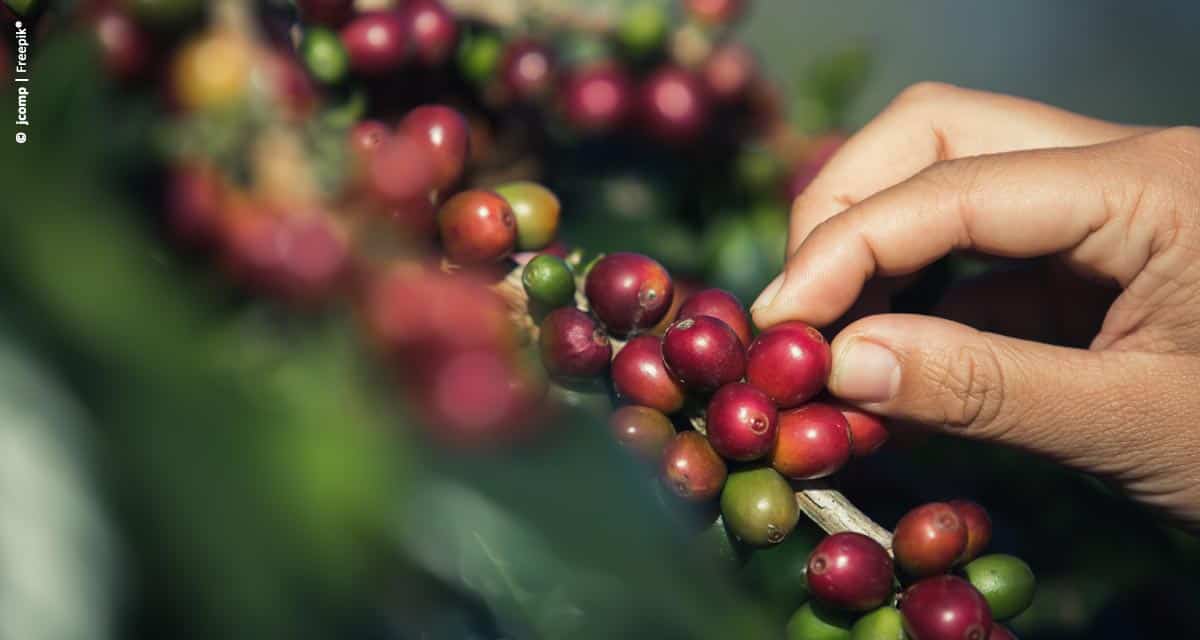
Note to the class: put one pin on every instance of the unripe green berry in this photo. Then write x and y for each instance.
(815, 622)
(1005, 581)
(323, 54)
(549, 282)
(759, 506)
(884, 623)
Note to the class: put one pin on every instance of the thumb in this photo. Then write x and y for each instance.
(1073, 405)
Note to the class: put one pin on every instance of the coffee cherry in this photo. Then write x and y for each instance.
(1005, 581)
(715, 12)
(432, 30)
(300, 258)
(673, 104)
(979, 528)
(326, 12)
(742, 422)
(195, 194)
(479, 55)
(476, 227)
(691, 469)
(366, 137)
(884, 623)
(816, 622)
(729, 71)
(548, 282)
(324, 55)
(703, 353)
(643, 28)
(850, 571)
(929, 539)
(212, 71)
(867, 433)
(813, 442)
(400, 171)
(640, 377)
(790, 362)
(945, 608)
(375, 42)
(527, 69)
(642, 430)
(597, 98)
(573, 346)
(628, 292)
(1001, 633)
(759, 506)
(537, 211)
(775, 575)
(288, 84)
(125, 48)
(723, 306)
(444, 134)
(474, 399)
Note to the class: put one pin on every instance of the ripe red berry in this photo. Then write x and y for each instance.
(715, 11)
(628, 292)
(640, 377)
(673, 105)
(474, 398)
(597, 98)
(573, 346)
(326, 12)
(125, 48)
(979, 528)
(366, 137)
(375, 42)
(790, 362)
(742, 422)
(813, 442)
(298, 257)
(400, 171)
(945, 608)
(289, 84)
(850, 571)
(999, 632)
(719, 304)
(703, 353)
(432, 30)
(194, 197)
(929, 539)
(527, 69)
(476, 227)
(729, 71)
(691, 469)
(642, 430)
(867, 433)
(444, 134)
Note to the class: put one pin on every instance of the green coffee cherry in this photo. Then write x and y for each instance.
(776, 574)
(549, 282)
(479, 55)
(759, 506)
(537, 211)
(815, 622)
(324, 55)
(643, 28)
(1005, 581)
(883, 623)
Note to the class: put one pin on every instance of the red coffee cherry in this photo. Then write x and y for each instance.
(527, 69)
(867, 433)
(729, 71)
(642, 430)
(376, 43)
(813, 442)
(475, 399)
(1001, 633)
(432, 30)
(640, 377)
(476, 227)
(703, 353)
(790, 362)
(573, 346)
(628, 292)
(850, 571)
(125, 48)
(366, 136)
(723, 306)
(742, 422)
(929, 539)
(400, 171)
(195, 193)
(674, 106)
(715, 12)
(444, 134)
(945, 608)
(597, 98)
(691, 469)
(979, 528)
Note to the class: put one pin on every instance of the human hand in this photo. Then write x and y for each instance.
(945, 169)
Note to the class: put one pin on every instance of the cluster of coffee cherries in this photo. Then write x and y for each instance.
(854, 582)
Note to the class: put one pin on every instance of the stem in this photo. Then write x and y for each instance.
(829, 508)
(510, 13)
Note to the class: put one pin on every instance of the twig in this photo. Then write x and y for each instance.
(510, 13)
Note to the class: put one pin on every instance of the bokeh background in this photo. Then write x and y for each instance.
(175, 462)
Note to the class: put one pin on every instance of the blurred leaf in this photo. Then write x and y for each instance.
(828, 85)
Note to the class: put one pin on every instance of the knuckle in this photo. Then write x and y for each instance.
(967, 385)
(924, 93)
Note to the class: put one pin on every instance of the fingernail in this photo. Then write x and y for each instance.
(768, 295)
(866, 371)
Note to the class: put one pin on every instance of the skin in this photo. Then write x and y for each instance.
(1116, 211)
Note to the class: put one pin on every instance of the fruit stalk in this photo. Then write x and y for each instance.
(509, 13)
(829, 508)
